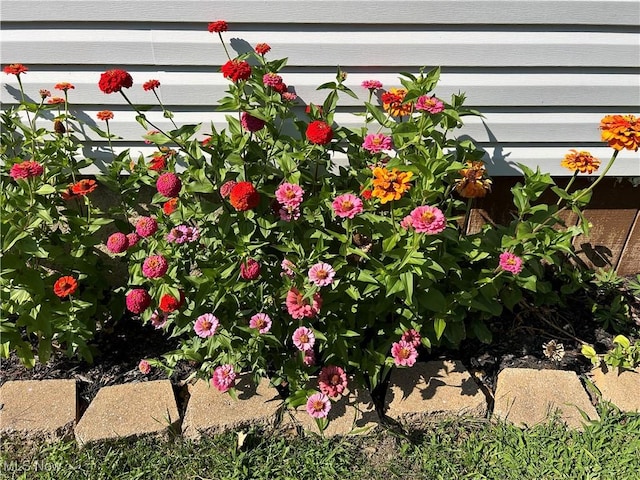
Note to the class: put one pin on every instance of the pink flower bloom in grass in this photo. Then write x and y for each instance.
(206, 325)
(287, 268)
(318, 405)
(304, 339)
(412, 337)
(377, 142)
(321, 274)
(429, 104)
(117, 242)
(299, 307)
(251, 123)
(146, 226)
(223, 377)
(309, 358)
(144, 367)
(290, 195)
(404, 354)
(427, 219)
(332, 381)
(372, 84)
(158, 319)
(155, 266)
(260, 321)
(510, 262)
(347, 205)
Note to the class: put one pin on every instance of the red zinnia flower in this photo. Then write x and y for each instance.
(15, 69)
(319, 132)
(65, 286)
(64, 86)
(262, 48)
(158, 162)
(26, 169)
(170, 206)
(244, 196)
(84, 187)
(236, 70)
(150, 85)
(105, 115)
(280, 88)
(169, 303)
(218, 26)
(113, 81)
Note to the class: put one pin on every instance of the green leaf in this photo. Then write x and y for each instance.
(439, 324)
(46, 189)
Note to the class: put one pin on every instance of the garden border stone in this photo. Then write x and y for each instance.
(620, 388)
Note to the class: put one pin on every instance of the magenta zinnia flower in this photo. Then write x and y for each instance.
(372, 84)
(117, 242)
(299, 307)
(332, 381)
(271, 79)
(510, 262)
(347, 205)
(251, 123)
(146, 226)
(429, 104)
(138, 300)
(321, 274)
(155, 266)
(223, 377)
(377, 142)
(26, 169)
(183, 234)
(318, 405)
(412, 337)
(303, 338)
(260, 321)
(206, 325)
(249, 269)
(132, 239)
(144, 367)
(427, 219)
(309, 358)
(290, 195)
(404, 354)
(169, 185)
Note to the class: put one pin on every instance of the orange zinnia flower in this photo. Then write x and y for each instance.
(390, 185)
(64, 86)
(84, 187)
(392, 102)
(621, 131)
(583, 162)
(472, 185)
(65, 286)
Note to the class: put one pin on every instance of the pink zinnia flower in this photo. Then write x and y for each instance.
(249, 269)
(260, 321)
(321, 274)
(289, 96)
(289, 213)
(26, 169)
(144, 367)
(271, 79)
(377, 142)
(158, 319)
(223, 377)
(404, 354)
(309, 358)
(407, 222)
(226, 187)
(299, 307)
(251, 123)
(303, 338)
(183, 234)
(146, 226)
(318, 405)
(169, 185)
(206, 325)
(290, 194)
(510, 262)
(117, 242)
(332, 381)
(347, 205)
(412, 337)
(372, 84)
(155, 266)
(132, 239)
(138, 300)
(287, 268)
(429, 104)
(427, 219)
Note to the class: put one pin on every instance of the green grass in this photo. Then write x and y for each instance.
(451, 450)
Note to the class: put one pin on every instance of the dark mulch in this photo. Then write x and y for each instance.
(517, 342)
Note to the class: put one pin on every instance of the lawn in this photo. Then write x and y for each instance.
(452, 449)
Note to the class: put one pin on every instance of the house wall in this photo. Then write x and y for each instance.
(542, 72)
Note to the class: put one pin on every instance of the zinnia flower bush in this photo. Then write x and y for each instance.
(264, 255)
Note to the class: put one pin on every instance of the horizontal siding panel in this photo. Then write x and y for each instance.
(573, 12)
(304, 48)
(198, 89)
